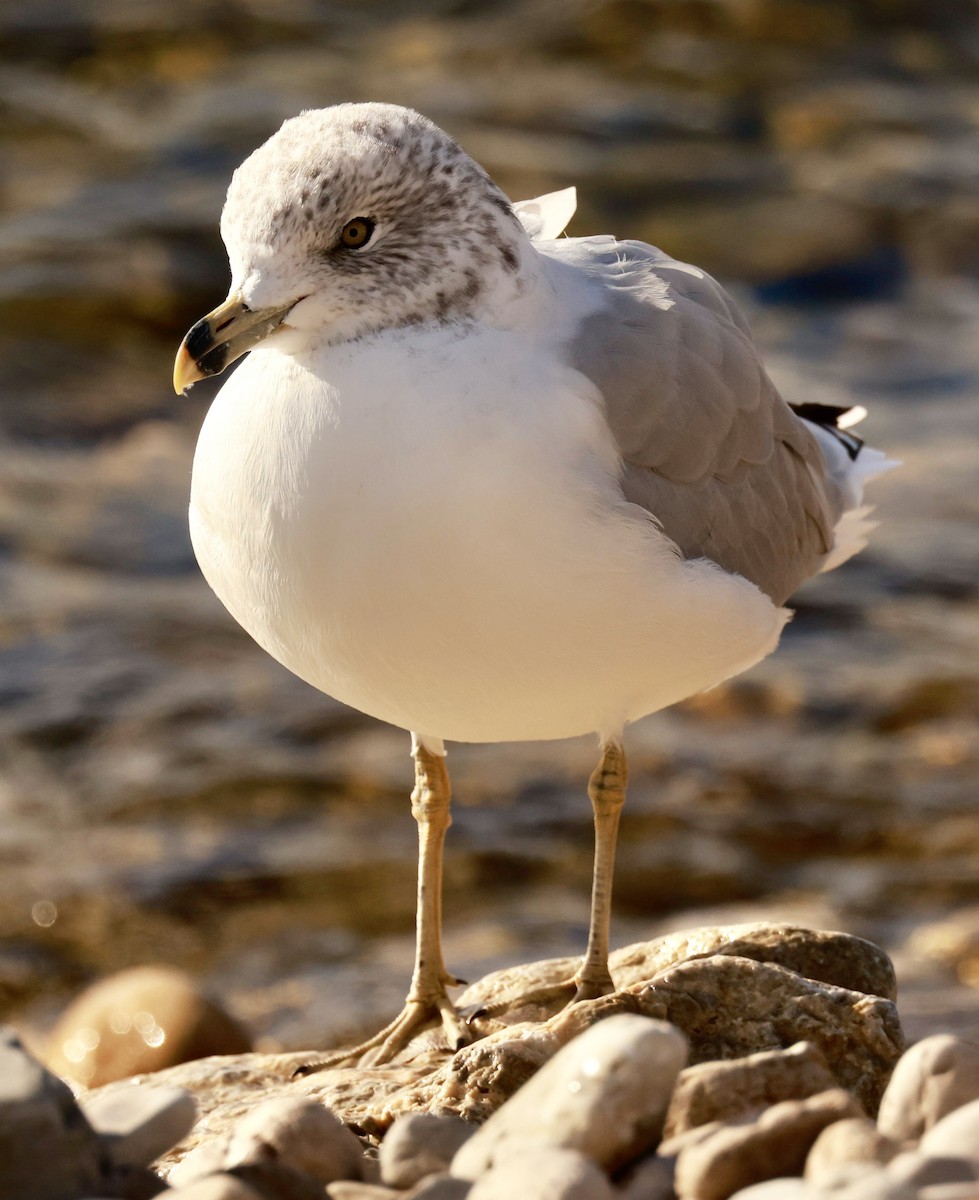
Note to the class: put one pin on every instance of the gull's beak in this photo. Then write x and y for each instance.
(221, 337)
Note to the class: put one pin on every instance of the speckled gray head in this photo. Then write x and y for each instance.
(349, 220)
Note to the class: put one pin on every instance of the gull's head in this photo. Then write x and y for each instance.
(351, 220)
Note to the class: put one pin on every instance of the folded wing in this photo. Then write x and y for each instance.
(710, 449)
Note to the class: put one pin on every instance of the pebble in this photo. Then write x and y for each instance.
(344, 1189)
(48, 1151)
(217, 1187)
(139, 1123)
(956, 1134)
(439, 1187)
(852, 1140)
(651, 1178)
(934, 1077)
(723, 1089)
(604, 1094)
(776, 1143)
(421, 1144)
(779, 1189)
(137, 1021)
(920, 1170)
(300, 1132)
(277, 1181)
(949, 1191)
(542, 1172)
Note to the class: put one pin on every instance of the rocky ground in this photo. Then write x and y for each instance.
(169, 795)
(748, 1062)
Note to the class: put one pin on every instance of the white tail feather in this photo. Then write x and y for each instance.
(850, 475)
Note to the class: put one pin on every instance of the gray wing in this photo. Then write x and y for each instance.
(710, 448)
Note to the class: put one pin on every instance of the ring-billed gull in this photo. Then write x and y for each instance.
(487, 483)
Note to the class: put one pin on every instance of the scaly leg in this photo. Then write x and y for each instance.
(606, 790)
(427, 1001)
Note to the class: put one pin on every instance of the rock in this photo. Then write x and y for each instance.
(922, 1170)
(731, 1006)
(933, 1077)
(299, 1132)
(720, 1090)
(948, 1191)
(439, 1187)
(277, 1181)
(867, 1183)
(206, 1158)
(218, 1187)
(344, 1189)
(828, 957)
(722, 1158)
(652, 1178)
(604, 1095)
(421, 1144)
(542, 1172)
(852, 1140)
(779, 1189)
(823, 955)
(956, 1134)
(48, 1151)
(139, 1122)
(137, 1021)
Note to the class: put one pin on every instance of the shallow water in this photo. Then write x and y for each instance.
(168, 793)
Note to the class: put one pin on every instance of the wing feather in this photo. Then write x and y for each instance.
(710, 449)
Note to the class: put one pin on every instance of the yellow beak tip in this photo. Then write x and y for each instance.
(185, 372)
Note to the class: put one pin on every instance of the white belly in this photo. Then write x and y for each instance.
(454, 558)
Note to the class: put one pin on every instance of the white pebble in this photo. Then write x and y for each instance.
(955, 1135)
(138, 1122)
(543, 1172)
(604, 1094)
(300, 1133)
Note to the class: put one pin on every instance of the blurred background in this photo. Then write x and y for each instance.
(168, 794)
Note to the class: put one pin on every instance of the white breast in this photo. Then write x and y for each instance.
(430, 529)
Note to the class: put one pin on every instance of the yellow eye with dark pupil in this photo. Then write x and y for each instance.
(357, 233)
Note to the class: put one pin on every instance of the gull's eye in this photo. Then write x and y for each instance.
(357, 233)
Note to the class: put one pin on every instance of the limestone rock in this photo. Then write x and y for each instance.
(139, 1122)
(823, 955)
(542, 1172)
(136, 1021)
(729, 1156)
(604, 1095)
(731, 1006)
(720, 1090)
(421, 1144)
(853, 1140)
(933, 1077)
(828, 957)
(300, 1132)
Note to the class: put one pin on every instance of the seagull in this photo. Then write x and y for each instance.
(488, 483)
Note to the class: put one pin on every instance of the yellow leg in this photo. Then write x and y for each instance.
(606, 790)
(427, 1001)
